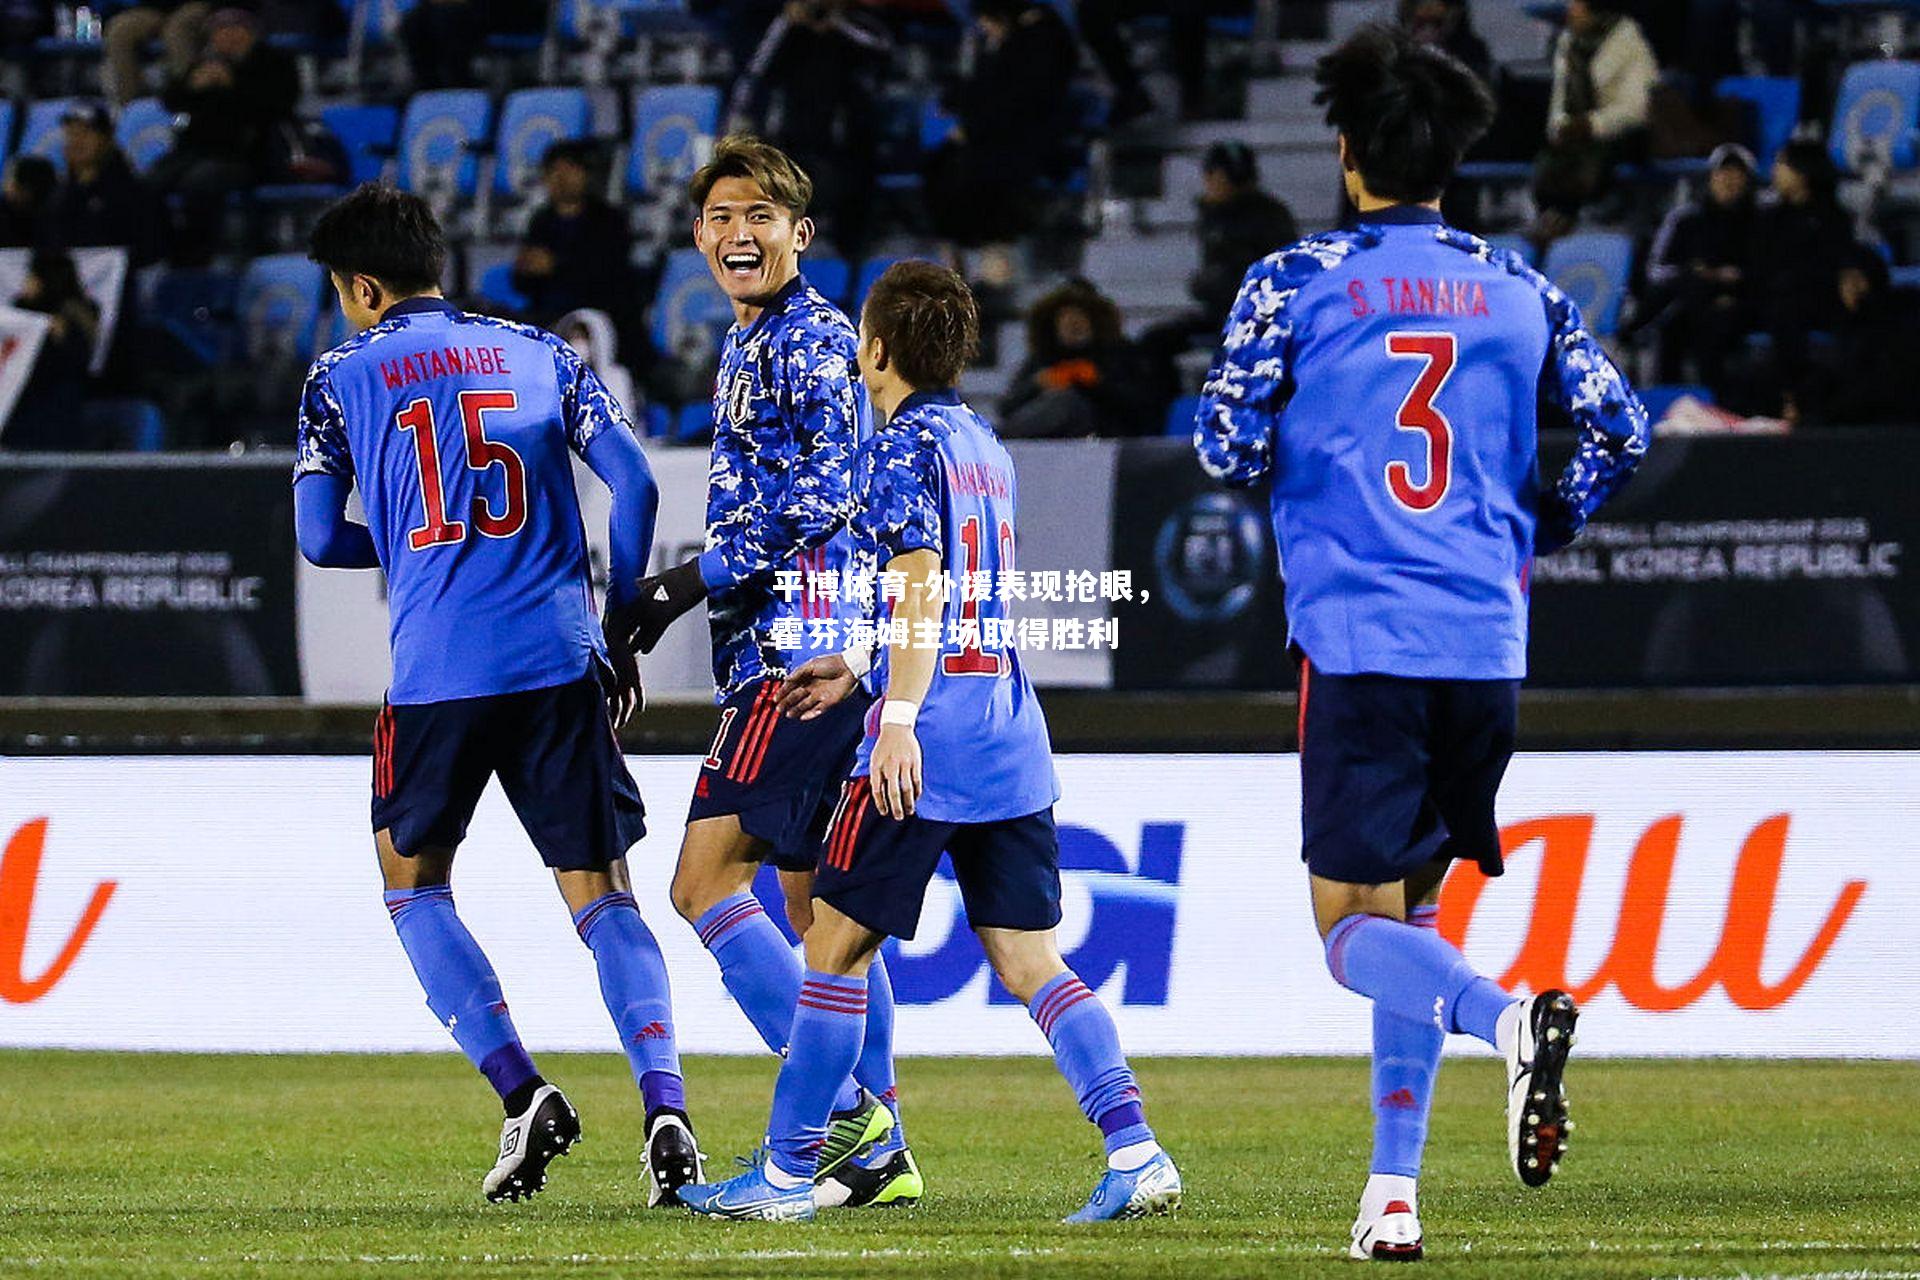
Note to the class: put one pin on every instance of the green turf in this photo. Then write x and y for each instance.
(142, 1165)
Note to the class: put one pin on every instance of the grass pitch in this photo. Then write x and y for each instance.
(157, 1165)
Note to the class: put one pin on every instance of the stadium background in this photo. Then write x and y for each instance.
(1712, 822)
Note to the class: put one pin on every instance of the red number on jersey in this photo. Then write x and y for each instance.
(417, 421)
(972, 659)
(1419, 413)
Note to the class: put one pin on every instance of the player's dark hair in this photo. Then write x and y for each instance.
(926, 315)
(1408, 111)
(741, 155)
(382, 232)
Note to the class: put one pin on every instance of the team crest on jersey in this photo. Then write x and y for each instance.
(740, 397)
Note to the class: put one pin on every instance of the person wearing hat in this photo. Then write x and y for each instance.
(1698, 290)
(100, 200)
(179, 25)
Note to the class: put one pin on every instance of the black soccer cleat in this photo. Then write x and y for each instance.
(1537, 1123)
(673, 1158)
(893, 1184)
(529, 1142)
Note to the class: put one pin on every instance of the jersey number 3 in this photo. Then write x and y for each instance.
(1419, 413)
(417, 420)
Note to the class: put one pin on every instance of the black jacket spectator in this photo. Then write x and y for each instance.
(1700, 273)
(1239, 225)
(1866, 377)
(235, 96)
(1801, 241)
(574, 252)
(1447, 25)
(47, 414)
(1081, 376)
(24, 200)
(102, 201)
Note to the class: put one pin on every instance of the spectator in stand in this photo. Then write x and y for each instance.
(1239, 225)
(1802, 239)
(1866, 378)
(101, 201)
(236, 98)
(1100, 27)
(1011, 110)
(47, 414)
(810, 91)
(1081, 376)
(1603, 78)
(442, 36)
(574, 252)
(25, 198)
(591, 332)
(1697, 273)
(179, 25)
(1447, 25)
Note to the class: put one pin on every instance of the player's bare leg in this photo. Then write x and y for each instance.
(633, 981)
(464, 993)
(1140, 1178)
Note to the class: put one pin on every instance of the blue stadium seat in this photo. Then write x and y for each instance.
(1877, 115)
(870, 270)
(496, 285)
(1662, 397)
(40, 135)
(1904, 277)
(1776, 110)
(6, 129)
(367, 135)
(1180, 416)
(830, 276)
(533, 120)
(124, 423)
(694, 423)
(382, 17)
(1592, 268)
(194, 304)
(438, 135)
(144, 131)
(656, 421)
(688, 299)
(673, 127)
(1520, 245)
(279, 304)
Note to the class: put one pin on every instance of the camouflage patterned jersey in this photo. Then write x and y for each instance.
(788, 413)
(1385, 380)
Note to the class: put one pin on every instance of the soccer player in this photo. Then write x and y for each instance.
(456, 428)
(787, 415)
(935, 492)
(1382, 382)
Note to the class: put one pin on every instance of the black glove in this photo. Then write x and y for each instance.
(627, 696)
(659, 600)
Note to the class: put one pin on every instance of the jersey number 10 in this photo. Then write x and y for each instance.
(417, 420)
(1419, 413)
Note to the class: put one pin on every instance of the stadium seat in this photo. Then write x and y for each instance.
(830, 276)
(439, 133)
(1663, 396)
(367, 135)
(688, 300)
(656, 421)
(6, 129)
(694, 423)
(673, 131)
(40, 135)
(870, 270)
(1776, 110)
(1180, 416)
(496, 285)
(279, 304)
(194, 304)
(1520, 245)
(1592, 268)
(531, 121)
(1876, 116)
(144, 131)
(578, 20)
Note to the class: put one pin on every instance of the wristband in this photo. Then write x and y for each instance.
(859, 661)
(899, 711)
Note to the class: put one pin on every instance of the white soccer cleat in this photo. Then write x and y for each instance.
(1537, 1123)
(529, 1142)
(1394, 1236)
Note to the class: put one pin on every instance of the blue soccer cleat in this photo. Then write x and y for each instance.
(749, 1197)
(1152, 1188)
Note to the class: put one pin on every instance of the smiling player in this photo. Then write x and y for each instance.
(788, 415)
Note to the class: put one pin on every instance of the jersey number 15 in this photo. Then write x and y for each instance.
(1419, 413)
(417, 420)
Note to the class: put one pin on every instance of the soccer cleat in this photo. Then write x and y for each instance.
(673, 1158)
(895, 1183)
(1537, 1123)
(852, 1131)
(749, 1197)
(529, 1142)
(1152, 1188)
(1394, 1236)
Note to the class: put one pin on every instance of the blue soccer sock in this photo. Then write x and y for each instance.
(633, 982)
(1406, 1058)
(760, 971)
(1086, 1047)
(874, 1070)
(829, 1022)
(462, 989)
(1414, 973)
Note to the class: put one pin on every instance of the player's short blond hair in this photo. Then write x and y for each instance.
(741, 155)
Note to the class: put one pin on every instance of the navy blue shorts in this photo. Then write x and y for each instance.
(553, 750)
(876, 870)
(1397, 772)
(778, 774)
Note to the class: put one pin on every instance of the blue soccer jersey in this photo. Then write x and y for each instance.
(455, 428)
(936, 478)
(788, 413)
(1386, 380)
